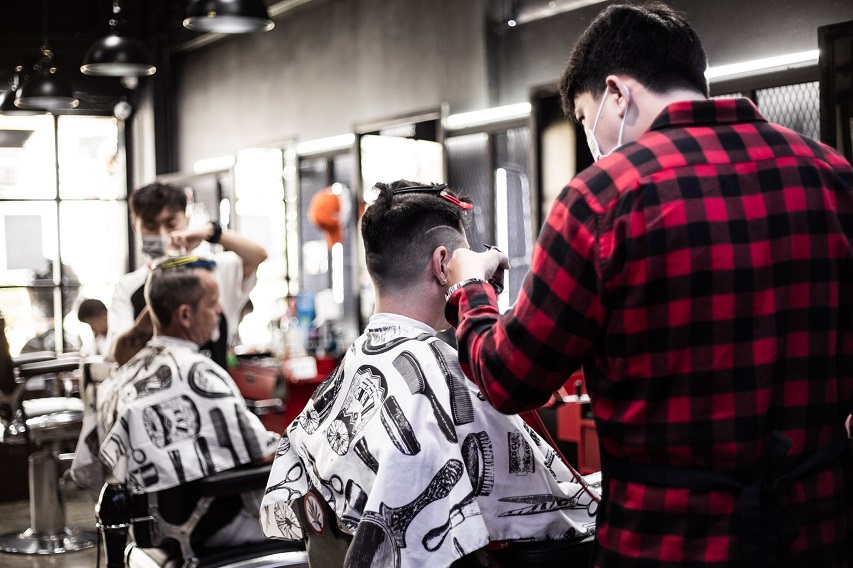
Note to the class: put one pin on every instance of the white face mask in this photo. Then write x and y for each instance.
(590, 136)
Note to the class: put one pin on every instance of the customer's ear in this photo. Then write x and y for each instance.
(183, 316)
(438, 264)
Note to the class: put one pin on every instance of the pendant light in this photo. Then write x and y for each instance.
(7, 98)
(117, 55)
(43, 90)
(228, 16)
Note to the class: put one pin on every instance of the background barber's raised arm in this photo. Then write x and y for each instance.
(251, 253)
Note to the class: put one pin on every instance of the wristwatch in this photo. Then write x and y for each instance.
(217, 232)
(458, 285)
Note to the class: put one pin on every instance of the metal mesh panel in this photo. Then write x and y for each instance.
(511, 149)
(468, 173)
(729, 96)
(794, 106)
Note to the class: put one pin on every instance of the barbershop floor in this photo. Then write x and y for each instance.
(79, 512)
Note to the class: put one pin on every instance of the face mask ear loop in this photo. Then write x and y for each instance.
(598, 115)
(627, 95)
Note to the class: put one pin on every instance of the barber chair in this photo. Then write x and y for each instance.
(168, 526)
(44, 426)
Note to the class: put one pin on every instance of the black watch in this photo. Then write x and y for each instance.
(217, 232)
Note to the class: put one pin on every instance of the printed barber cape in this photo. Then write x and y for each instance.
(168, 416)
(414, 462)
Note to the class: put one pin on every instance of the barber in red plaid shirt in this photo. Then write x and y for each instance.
(701, 273)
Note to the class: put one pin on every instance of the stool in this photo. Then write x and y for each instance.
(43, 424)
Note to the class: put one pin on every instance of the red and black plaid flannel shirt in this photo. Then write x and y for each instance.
(703, 278)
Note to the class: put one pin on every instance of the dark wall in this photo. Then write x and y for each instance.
(333, 64)
(327, 67)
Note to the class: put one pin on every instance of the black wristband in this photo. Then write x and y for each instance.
(217, 232)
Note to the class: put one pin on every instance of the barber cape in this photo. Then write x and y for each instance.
(168, 416)
(415, 463)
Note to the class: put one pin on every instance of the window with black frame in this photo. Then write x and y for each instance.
(63, 225)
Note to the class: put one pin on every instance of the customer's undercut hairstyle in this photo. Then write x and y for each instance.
(166, 289)
(148, 201)
(401, 232)
(652, 43)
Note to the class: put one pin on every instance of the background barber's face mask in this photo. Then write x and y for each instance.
(155, 245)
(590, 136)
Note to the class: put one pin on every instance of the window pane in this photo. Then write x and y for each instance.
(27, 239)
(91, 158)
(27, 157)
(94, 243)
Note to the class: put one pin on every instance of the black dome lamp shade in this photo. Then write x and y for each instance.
(44, 89)
(116, 55)
(7, 98)
(228, 16)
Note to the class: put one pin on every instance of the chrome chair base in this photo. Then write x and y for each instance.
(34, 542)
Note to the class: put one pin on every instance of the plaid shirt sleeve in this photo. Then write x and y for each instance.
(521, 358)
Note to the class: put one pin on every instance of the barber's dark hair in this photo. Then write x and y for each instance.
(168, 288)
(652, 43)
(148, 201)
(90, 308)
(401, 232)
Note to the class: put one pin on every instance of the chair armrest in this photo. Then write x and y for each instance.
(63, 365)
(265, 406)
(235, 481)
(32, 357)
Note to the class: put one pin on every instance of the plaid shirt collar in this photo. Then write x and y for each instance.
(706, 113)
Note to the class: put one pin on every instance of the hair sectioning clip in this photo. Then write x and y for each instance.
(438, 189)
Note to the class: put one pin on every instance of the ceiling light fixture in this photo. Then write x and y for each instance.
(117, 55)
(44, 90)
(228, 16)
(7, 98)
(766, 65)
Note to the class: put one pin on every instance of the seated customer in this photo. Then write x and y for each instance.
(171, 415)
(405, 451)
(93, 313)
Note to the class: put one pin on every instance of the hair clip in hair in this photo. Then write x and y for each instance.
(455, 201)
(187, 261)
(438, 189)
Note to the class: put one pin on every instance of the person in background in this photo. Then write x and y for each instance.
(159, 219)
(397, 427)
(170, 415)
(701, 273)
(93, 312)
(41, 291)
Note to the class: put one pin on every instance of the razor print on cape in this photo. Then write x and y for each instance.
(546, 503)
(160, 380)
(381, 535)
(376, 344)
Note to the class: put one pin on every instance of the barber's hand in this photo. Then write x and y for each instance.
(188, 239)
(465, 264)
